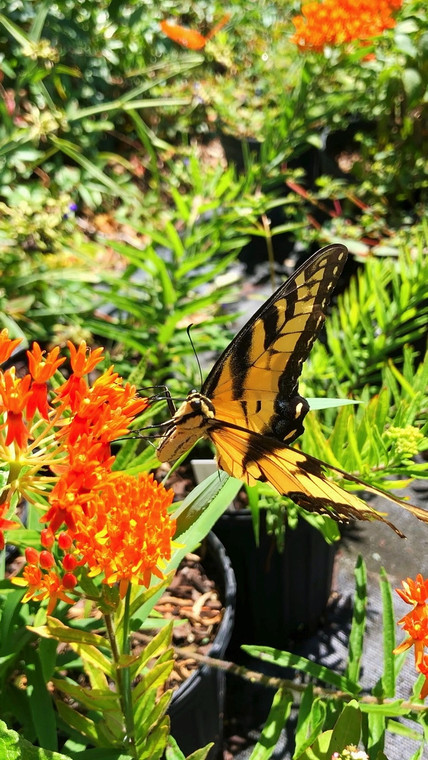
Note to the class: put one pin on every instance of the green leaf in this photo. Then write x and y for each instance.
(200, 754)
(155, 678)
(149, 710)
(388, 677)
(10, 643)
(83, 725)
(275, 722)
(356, 636)
(386, 709)
(54, 628)
(347, 729)
(289, 660)
(155, 647)
(41, 704)
(15, 747)
(418, 754)
(14, 30)
(92, 656)
(173, 751)
(319, 749)
(330, 403)
(201, 509)
(93, 699)
(400, 729)
(154, 745)
(310, 720)
(74, 152)
(376, 732)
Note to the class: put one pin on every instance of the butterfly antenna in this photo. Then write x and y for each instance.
(164, 396)
(189, 327)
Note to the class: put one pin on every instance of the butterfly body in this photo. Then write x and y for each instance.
(191, 421)
(250, 408)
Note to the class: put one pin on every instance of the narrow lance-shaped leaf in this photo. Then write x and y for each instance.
(376, 733)
(347, 729)
(356, 636)
(276, 720)
(173, 751)
(388, 618)
(310, 721)
(289, 660)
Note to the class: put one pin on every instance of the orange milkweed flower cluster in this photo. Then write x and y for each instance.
(334, 22)
(415, 623)
(102, 519)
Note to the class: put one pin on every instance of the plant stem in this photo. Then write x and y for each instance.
(123, 676)
(273, 682)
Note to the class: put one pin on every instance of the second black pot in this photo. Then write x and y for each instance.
(279, 595)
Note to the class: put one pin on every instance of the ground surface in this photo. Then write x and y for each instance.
(380, 547)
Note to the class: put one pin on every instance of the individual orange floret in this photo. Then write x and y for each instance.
(5, 525)
(414, 591)
(7, 345)
(82, 362)
(15, 393)
(42, 368)
(423, 668)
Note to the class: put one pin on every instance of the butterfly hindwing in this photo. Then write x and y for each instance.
(251, 458)
(299, 476)
(254, 383)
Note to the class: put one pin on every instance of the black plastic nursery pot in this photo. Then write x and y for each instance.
(280, 596)
(196, 709)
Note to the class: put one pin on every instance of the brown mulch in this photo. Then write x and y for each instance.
(193, 602)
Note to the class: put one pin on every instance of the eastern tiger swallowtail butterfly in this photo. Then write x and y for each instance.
(250, 408)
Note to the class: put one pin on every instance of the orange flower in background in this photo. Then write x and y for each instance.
(334, 22)
(415, 623)
(190, 38)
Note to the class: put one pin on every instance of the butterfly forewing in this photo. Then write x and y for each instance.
(254, 383)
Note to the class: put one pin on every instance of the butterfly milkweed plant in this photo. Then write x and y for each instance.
(96, 542)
